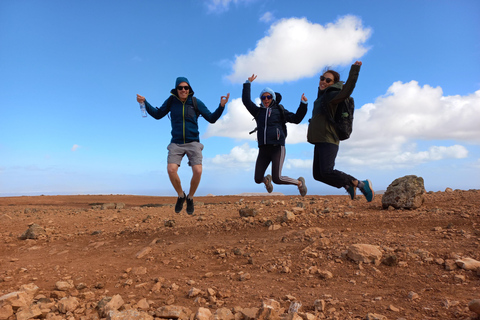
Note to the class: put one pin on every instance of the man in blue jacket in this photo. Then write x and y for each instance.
(184, 111)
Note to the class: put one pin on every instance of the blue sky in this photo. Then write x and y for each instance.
(70, 72)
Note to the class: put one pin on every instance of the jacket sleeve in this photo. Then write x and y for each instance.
(209, 116)
(247, 101)
(348, 86)
(298, 116)
(157, 113)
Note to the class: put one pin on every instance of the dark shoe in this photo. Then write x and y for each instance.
(268, 183)
(303, 188)
(190, 207)
(367, 190)
(179, 204)
(352, 191)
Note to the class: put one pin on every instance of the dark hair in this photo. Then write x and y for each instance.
(336, 75)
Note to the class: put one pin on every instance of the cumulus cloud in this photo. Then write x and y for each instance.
(295, 48)
(239, 157)
(236, 123)
(408, 126)
(387, 133)
(409, 111)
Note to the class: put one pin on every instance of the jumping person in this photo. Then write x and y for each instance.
(322, 133)
(184, 110)
(271, 133)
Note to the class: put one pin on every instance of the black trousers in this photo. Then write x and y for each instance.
(276, 155)
(324, 156)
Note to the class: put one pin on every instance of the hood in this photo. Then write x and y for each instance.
(177, 82)
(336, 86)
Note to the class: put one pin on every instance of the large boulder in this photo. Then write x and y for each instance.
(404, 193)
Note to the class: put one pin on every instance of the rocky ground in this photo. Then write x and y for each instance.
(320, 256)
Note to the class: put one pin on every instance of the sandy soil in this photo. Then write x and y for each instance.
(145, 250)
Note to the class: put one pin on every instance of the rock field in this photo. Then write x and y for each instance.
(266, 257)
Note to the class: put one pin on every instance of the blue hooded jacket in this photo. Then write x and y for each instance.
(183, 116)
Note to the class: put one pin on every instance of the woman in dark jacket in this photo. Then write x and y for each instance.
(322, 133)
(271, 133)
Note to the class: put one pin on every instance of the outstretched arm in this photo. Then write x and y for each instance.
(154, 112)
(301, 111)
(348, 87)
(246, 97)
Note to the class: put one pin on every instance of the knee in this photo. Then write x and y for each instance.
(276, 180)
(197, 170)
(320, 175)
(172, 168)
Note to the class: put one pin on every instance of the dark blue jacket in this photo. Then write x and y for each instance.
(183, 116)
(270, 120)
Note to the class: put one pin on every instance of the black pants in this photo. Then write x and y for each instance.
(324, 156)
(275, 155)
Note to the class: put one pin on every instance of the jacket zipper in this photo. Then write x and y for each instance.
(183, 116)
(265, 130)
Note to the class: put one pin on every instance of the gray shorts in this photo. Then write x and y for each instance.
(193, 150)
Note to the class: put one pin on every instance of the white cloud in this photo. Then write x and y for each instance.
(298, 163)
(239, 157)
(219, 6)
(75, 147)
(388, 132)
(410, 111)
(267, 17)
(295, 48)
(236, 123)
(408, 126)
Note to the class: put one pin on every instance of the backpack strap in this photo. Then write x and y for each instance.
(194, 101)
(195, 106)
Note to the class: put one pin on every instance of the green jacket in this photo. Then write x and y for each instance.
(319, 128)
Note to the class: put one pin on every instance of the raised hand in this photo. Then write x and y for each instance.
(253, 77)
(140, 99)
(224, 99)
(304, 98)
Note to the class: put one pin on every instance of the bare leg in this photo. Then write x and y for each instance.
(197, 175)
(172, 169)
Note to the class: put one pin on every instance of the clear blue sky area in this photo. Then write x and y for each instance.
(70, 72)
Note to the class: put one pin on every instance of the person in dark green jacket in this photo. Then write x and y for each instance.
(321, 133)
(185, 140)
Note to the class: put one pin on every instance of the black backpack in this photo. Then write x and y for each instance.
(343, 120)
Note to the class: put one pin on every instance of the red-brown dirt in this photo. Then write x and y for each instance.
(246, 260)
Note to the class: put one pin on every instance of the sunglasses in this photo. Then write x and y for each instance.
(327, 80)
(186, 88)
(266, 97)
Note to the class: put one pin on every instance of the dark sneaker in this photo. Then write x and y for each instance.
(303, 188)
(352, 191)
(190, 207)
(179, 204)
(269, 184)
(367, 190)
